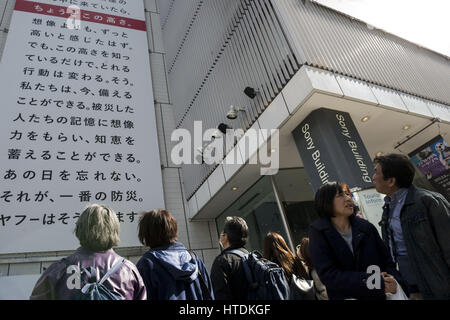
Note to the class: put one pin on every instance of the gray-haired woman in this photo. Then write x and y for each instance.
(97, 229)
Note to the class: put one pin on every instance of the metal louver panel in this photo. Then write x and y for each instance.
(330, 40)
(222, 47)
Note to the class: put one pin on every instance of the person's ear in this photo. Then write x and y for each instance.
(392, 182)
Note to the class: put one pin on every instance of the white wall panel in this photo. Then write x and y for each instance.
(297, 90)
(356, 89)
(216, 180)
(274, 115)
(148, 24)
(232, 163)
(416, 105)
(150, 5)
(159, 80)
(388, 98)
(193, 207)
(156, 32)
(161, 138)
(203, 195)
(439, 110)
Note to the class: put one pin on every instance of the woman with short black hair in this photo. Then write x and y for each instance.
(169, 270)
(345, 248)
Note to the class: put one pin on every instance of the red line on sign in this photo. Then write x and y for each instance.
(84, 15)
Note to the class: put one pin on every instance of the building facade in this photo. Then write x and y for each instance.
(291, 58)
(300, 57)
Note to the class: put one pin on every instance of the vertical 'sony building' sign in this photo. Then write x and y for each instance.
(332, 150)
(78, 121)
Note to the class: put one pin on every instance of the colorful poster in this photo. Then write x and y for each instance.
(433, 160)
(78, 121)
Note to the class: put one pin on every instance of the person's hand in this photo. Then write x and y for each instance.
(390, 285)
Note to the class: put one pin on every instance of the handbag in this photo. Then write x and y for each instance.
(302, 289)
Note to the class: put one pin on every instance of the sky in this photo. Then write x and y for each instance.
(424, 22)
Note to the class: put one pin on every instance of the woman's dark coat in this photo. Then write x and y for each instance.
(345, 274)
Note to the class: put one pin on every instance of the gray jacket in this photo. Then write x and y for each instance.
(425, 221)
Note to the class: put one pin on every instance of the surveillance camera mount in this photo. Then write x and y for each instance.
(223, 128)
(233, 114)
(251, 92)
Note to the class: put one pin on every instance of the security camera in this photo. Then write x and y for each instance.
(251, 92)
(222, 128)
(232, 114)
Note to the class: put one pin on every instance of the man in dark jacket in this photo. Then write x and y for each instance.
(227, 272)
(416, 227)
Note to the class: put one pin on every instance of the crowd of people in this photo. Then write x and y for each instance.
(343, 258)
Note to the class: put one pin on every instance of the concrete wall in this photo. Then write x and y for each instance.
(18, 272)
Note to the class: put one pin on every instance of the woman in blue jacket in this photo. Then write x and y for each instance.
(347, 251)
(169, 270)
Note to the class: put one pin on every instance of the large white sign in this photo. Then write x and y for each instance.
(78, 122)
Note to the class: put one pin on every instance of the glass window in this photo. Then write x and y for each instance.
(259, 208)
(297, 198)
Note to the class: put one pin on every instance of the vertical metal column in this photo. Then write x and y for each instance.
(283, 214)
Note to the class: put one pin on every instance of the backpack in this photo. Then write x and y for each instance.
(266, 279)
(206, 294)
(97, 290)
